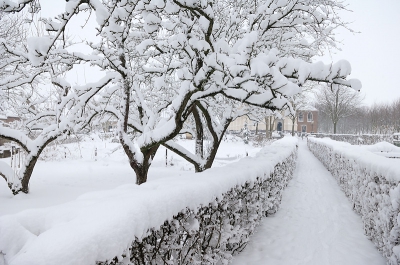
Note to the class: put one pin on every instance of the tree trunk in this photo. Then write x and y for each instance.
(141, 171)
(271, 125)
(214, 148)
(293, 120)
(141, 168)
(26, 173)
(26, 176)
(199, 149)
(334, 127)
(266, 127)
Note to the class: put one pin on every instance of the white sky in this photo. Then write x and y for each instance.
(374, 53)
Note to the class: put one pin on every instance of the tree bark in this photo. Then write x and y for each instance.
(199, 150)
(293, 120)
(141, 169)
(214, 148)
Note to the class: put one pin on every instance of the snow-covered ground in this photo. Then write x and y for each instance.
(59, 180)
(315, 224)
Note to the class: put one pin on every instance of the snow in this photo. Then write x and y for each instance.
(315, 224)
(38, 48)
(101, 225)
(58, 180)
(307, 108)
(374, 163)
(371, 183)
(384, 149)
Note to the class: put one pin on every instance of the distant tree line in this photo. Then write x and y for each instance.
(382, 118)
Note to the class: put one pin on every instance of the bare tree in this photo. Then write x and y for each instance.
(337, 102)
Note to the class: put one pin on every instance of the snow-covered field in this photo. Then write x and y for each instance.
(59, 180)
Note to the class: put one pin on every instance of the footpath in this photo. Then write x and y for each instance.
(314, 225)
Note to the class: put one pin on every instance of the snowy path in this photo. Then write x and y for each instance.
(315, 224)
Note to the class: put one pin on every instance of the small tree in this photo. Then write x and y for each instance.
(209, 119)
(337, 102)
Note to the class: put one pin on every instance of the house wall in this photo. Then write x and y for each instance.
(238, 124)
(311, 125)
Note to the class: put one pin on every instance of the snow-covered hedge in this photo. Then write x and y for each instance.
(366, 139)
(202, 219)
(371, 182)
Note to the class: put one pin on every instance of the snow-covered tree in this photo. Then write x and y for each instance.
(299, 101)
(34, 88)
(168, 55)
(210, 118)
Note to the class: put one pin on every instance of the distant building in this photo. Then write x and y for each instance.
(280, 125)
(6, 119)
(307, 120)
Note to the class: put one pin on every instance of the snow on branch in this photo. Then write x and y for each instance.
(10, 6)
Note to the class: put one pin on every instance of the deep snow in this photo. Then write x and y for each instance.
(58, 180)
(100, 225)
(315, 224)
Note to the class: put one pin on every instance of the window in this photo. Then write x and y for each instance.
(309, 117)
(301, 118)
(303, 128)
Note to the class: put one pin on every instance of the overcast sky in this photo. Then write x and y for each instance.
(374, 53)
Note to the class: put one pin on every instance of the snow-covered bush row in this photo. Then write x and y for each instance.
(200, 219)
(366, 139)
(372, 183)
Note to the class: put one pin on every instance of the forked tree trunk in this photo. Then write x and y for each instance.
(212, 152)
(25, 174)
(141, 168)
(214, 148)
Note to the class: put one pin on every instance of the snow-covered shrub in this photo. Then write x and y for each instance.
(372, 183)
(58, 152)
(261, 140)
(213, 233)
(366, 139)
(202, 219)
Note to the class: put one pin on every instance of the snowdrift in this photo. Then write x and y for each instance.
(205, 218)
(366, 139)
(372, 183)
